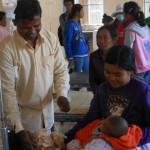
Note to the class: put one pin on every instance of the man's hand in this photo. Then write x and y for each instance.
(27, 139)
(63, 104)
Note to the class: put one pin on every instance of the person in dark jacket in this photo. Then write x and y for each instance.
(121, 94)
(106, 38)
(63, 18)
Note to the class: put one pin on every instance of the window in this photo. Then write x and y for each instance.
(93, 11)
(147, 8)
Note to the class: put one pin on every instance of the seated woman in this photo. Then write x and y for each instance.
(122, 95)
(106, 38)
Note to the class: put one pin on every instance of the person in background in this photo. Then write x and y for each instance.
(3, 22)
(121, 94)
(31, 62)
(137, 36)
(76, 45)
(63, 18)
(106, 38)
(119, 23)
(107, 20)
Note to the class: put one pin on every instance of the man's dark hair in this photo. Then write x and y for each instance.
(27, 9)
(2, 14)
(65, 1)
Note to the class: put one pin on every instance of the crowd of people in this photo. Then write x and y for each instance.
(129, 22)
(32, 65)
(119, 67)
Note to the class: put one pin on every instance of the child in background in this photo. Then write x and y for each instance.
(76, 45)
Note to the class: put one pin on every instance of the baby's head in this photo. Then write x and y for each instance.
(114, 126)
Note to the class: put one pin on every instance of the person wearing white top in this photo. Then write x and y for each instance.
(31, 62)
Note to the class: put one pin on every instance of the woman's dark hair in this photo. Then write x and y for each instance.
(122, 56)
(106, 18)
(112, 30)
(133, 9)
(2, 14)
(75, 8)
(72, 1)
(27, 9)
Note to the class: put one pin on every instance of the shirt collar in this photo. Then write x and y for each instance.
(23, 42)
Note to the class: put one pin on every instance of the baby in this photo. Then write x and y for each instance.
(114, 126)
(105, 134)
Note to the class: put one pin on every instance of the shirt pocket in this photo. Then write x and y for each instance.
(47, 63)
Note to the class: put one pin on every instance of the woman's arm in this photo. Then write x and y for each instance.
(93, 113)
(145, 136)
(146, 130)
(92, 81)
(129, 38)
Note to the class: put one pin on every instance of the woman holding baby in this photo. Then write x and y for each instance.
(121, 94)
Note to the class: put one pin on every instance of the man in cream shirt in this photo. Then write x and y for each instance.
(31, 62)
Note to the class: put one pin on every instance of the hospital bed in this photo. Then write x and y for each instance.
(80, 99)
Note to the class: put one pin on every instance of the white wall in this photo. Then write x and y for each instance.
(51, 9)
(110, 5)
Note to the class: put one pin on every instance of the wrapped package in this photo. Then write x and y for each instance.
(46, 141)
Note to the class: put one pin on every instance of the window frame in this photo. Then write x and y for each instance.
(89, 11)
(146, 12)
